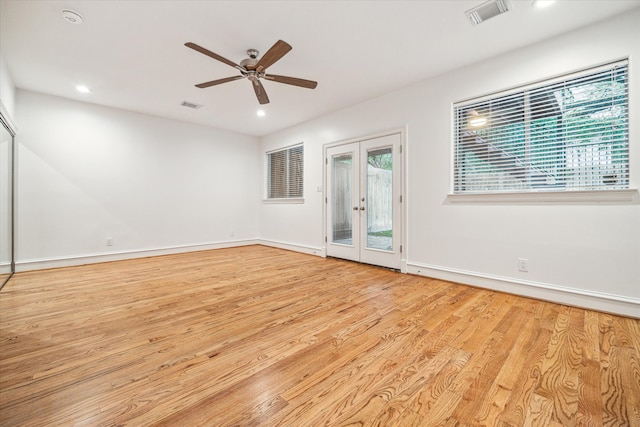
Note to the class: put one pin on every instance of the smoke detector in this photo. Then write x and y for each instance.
(71, 16)
(488, 10)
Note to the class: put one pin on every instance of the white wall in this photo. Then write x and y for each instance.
(584, 254)
(7, 91)
(87, 172)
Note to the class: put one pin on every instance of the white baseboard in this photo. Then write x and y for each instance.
(311, 250)
(41, 264)
(608, 303)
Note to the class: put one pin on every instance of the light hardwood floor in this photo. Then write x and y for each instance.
(262, 336)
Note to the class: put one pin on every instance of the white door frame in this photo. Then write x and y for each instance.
(402, 218)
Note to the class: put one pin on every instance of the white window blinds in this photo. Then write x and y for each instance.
(566, 134)
(285, 171)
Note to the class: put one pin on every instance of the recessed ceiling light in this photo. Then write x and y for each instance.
(476, 120)
(71, 16)
(542, 3)
(261, 113)
(83, 89)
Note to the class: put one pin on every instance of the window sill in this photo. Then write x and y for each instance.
(289, 201)
(608, 196)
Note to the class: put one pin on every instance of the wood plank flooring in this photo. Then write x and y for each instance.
(260, 336)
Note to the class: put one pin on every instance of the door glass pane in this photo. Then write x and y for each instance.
(380, 199)
(342, 172)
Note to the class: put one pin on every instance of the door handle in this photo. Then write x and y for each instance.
(362, 208)
(355, 208)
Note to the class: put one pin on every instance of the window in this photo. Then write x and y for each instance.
(565, 134)
(285, 170)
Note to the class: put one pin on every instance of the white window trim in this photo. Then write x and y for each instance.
(569, 197)
(289, 200)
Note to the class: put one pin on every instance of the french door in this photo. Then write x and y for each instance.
(363, 201)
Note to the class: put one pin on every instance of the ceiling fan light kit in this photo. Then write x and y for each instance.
(254, 69)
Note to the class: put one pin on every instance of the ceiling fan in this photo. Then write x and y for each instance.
(254, 69)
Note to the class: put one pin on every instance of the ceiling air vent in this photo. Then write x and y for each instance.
(488, 10)
(191, 105)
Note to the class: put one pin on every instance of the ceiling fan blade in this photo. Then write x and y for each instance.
(219, 81)
(309, 84)
(275, 52)
(213, 55)
(261, 94)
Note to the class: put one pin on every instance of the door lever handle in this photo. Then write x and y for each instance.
(355, 208)
(362, 208)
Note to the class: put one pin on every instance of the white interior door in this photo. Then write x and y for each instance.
(363, 201)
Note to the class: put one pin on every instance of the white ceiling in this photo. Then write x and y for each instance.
(132, 54)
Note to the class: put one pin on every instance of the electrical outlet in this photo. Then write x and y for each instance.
(523, 265)
(109, 241)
